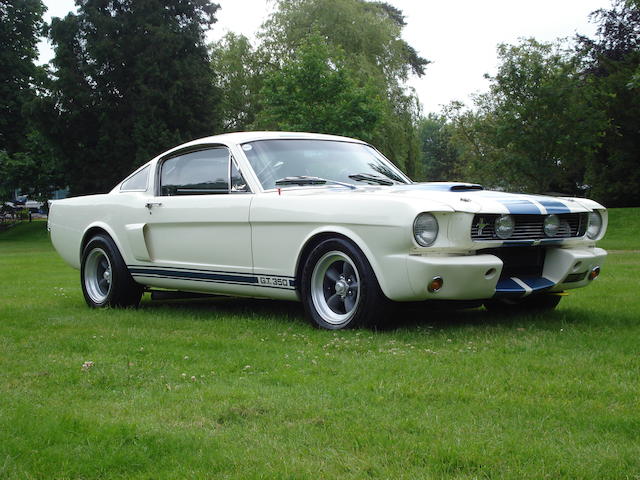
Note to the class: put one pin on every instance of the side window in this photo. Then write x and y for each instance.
(137, 182)
(204, 172)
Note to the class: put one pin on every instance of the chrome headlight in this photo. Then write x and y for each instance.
(425, 229)
(504, 226)
(595, 225)
(551, 225)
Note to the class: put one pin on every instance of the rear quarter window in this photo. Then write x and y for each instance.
(137, 182)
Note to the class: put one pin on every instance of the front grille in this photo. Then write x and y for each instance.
(519, 261)
(530, 227)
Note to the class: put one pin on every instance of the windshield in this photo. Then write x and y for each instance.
(339, 161)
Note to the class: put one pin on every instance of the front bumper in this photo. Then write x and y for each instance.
(479, 277)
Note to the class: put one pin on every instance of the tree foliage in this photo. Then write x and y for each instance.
(315, 92)
(613, 61)
(439, 155)
(538, 127)
(21, 24)
(363, 41)
(26, 160)
(132, 78)
(369, 33)
(238, 76)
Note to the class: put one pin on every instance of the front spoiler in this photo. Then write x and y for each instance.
(478, 277)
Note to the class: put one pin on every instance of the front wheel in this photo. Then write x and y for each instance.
(339, 288)
(533, 304)
(105, 279)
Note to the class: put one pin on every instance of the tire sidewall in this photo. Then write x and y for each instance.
(124, 291)
(369, 290)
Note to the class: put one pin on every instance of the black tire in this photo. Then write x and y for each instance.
(532, 304)
(339, 288)
(105, 279)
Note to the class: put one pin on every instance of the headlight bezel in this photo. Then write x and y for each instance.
(419, 223)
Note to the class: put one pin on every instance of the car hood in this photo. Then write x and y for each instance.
(463, 197)
(474, 199)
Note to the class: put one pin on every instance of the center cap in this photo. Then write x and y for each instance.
(107, 275)
(341, 287)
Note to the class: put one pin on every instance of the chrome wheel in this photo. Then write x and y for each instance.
(97, 275)
(335, 287)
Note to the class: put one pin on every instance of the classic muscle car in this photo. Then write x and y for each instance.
(325, 220)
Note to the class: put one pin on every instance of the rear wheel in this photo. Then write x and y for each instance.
(339, 288)
(105, 279)
(534, 304)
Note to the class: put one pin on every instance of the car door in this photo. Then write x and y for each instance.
(195, 227)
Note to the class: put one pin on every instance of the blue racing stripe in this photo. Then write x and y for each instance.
(538, 284)
(221, 277)
(517, 205)
(553, 206)
(508, 288)
(520, 206)
(195, 275)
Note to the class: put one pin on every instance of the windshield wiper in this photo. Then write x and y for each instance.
(368, 177)
(304, 180)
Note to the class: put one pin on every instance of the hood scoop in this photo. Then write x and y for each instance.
(449, 186)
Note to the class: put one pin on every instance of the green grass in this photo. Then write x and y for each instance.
(624, 230)
(247, 389)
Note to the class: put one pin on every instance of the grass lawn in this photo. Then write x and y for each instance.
(247, 389)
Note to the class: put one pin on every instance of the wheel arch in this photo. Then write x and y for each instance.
(318, 236)
(96, 229)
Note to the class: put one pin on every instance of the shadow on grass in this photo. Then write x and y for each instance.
(287, 313)
(402, 317)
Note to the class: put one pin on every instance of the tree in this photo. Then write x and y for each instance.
(238, 78)
(539, 125)
(369, 33)
(314, 92)
(21, 24)
(612, 61)
(130, 80)
(439, 156)
(367, 38)
(35, 170)
(27, 161)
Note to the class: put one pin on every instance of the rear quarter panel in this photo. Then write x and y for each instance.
(71, 218)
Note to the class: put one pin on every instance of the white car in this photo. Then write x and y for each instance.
(325, 220)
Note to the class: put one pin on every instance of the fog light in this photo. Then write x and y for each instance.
(435, 284)
(593, 274)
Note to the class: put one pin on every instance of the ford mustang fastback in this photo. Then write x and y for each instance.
(325, 220)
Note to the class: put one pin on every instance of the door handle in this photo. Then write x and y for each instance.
(150, 205)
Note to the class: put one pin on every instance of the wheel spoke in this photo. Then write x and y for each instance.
(347, 270)
(333, 273)
(349, 302)
(103, 285)
(104, 265)
(336, 303)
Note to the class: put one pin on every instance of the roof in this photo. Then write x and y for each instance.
(242, 137)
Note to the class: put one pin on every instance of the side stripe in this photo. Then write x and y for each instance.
(219, 277)
(268, 281)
